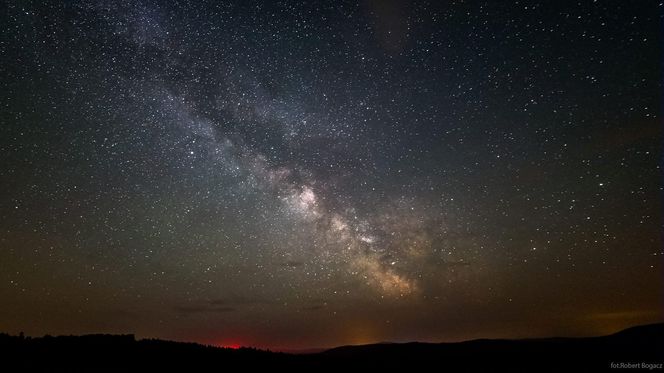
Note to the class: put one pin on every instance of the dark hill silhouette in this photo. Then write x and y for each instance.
(642, 344)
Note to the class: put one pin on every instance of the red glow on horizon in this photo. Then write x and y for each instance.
(233, 346)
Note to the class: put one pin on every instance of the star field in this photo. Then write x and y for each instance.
(298, 174)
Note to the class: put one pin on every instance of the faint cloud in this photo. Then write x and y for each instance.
(235, 301)
(622, 315)
(454, 263)
(390, 23)
(292, 264)
(203, 309)
(219, 305)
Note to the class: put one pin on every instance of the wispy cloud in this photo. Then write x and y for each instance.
(204, 309)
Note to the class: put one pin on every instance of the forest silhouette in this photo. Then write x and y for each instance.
(643, 345)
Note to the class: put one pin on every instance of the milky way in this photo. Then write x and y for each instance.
(298, 174)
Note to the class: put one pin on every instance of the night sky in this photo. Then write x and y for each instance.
(304, 174)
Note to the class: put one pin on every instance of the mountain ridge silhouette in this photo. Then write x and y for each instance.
(638, 345)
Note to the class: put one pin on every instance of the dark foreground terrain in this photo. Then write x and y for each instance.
(643, 345)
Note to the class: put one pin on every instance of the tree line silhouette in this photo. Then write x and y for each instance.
(643, 344)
